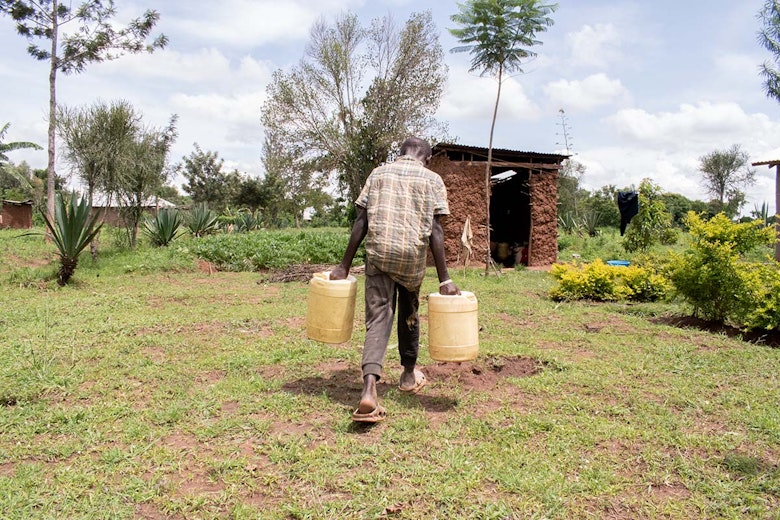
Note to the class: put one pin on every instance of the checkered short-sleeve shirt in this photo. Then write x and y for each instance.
(401, 199)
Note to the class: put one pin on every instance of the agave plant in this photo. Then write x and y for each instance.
(72, 230)
(164, 228)
(202, 221)
(246, 221)
(590, 221)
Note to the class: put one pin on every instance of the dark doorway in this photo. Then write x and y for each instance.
(510, 216)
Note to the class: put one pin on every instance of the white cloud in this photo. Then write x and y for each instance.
(471, 97)
(737, 64)
(235, 118)
(703, 125)
(595, 46)
(594, 91)
(206, 66)
(666, 147)
(252, 23)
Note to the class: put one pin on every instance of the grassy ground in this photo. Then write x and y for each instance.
(151, 389)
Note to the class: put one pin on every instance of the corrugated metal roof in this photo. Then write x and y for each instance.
(499, 153)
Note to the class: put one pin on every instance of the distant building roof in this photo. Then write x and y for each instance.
(100, 200)
(17, 202)
(767, 163)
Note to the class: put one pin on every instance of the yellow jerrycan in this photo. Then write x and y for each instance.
(331, 310)
(452, 327)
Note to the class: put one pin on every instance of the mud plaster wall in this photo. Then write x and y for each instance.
(16, 216)
(544, 219)
(466, 196)
(465, 192)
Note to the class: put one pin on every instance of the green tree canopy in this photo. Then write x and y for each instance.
(769, 38)
(207, 183)
(724, 174)
(354, 96)
(97, 140)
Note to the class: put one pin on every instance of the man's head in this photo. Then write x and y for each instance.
(417, 148)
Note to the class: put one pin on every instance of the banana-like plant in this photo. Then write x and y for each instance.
(164, 228)
(71, 231)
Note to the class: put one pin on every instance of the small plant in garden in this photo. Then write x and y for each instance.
(202, 221)
(163, 228)
(72, 230)
(591, 219)
(569, 223)
(246, 221)
(273, 249)
(712, 275)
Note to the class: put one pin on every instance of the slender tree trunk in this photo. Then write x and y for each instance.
(488, 168)
(777, 211)
(52, 111)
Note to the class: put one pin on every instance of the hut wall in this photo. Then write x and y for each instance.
(16, 216)
(466, 196)
(544, 219)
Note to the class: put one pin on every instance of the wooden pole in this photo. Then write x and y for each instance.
(777, 211)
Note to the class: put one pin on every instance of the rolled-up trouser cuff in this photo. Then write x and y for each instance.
(373, 369)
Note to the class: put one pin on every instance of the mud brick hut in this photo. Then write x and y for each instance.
(523, 203)
(16, 215)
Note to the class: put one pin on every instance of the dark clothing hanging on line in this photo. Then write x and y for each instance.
(628, 204)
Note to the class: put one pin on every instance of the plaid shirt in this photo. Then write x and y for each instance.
(401, 200)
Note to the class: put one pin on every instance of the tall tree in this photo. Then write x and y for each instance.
(300, 184)
(499, 35)
(96, 38)
(206, 182)
(143, 172)
(96, 141)
(356, 94)
(725, 173)
(250, 194)
(769, 38)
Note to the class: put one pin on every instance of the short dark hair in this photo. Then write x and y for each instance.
(416, 146)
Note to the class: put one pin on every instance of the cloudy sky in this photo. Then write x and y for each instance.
(647, 87)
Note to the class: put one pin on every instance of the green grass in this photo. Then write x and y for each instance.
(150, 389)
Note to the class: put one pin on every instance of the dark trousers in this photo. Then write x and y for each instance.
(382, 292)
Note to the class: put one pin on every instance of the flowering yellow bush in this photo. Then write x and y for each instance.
(602, 282)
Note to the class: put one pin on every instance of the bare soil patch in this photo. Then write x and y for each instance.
(484, 374)
(770, 338)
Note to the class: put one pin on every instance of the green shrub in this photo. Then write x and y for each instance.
(593, 281)
(712, 275)
(653, 223)
(602, 282)
(565, 241)
(765, 311)
(643, 284)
